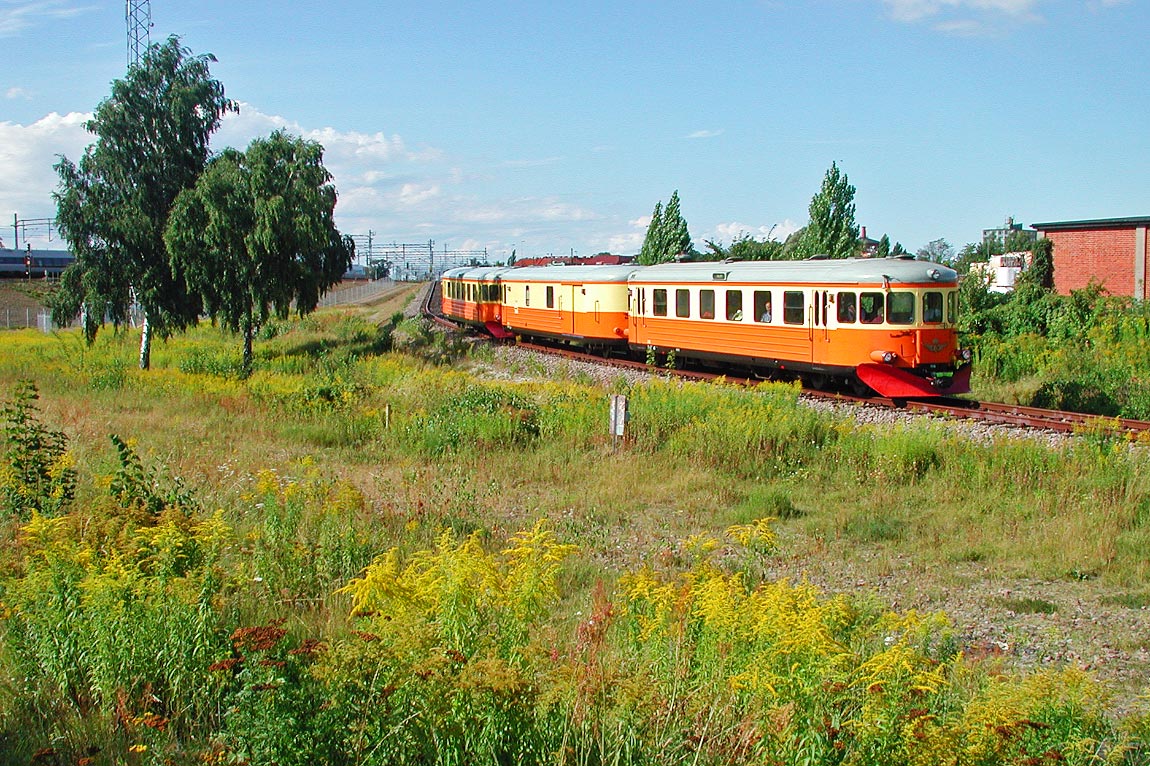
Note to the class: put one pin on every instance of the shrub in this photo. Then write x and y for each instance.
(36, 475)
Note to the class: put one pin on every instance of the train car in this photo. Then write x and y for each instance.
(885, 324)
(33, 263)
(472, 296)
(578, 305)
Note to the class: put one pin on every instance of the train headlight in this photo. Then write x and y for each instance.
(934, 274)
(886, 357)
(965, 354)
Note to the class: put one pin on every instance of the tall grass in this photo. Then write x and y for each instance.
(341, 560)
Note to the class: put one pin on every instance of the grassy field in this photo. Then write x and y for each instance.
(359, 556)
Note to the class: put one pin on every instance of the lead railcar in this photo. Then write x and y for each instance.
(884, 323)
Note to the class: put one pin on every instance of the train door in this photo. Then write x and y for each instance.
(565, 308)
(637, 308)
(572, 309)
(820, 337)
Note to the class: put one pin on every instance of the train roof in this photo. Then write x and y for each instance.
(835, 271)
(478, 273)
(609, 273)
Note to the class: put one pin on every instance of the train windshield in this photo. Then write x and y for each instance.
(932, 308)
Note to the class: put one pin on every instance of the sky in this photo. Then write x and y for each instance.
(554, 128)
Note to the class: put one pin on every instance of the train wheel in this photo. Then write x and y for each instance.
(817, 381)
(860, 389)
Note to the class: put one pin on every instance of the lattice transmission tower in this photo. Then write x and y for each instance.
(138, 15)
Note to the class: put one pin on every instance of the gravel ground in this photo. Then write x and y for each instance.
(1112, 642)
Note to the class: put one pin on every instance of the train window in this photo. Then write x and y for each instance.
(794, 307)
(900, 308)
(526, 295)
(550, 296)
(734, 305)
(762, 305)
(660, 302)
(682, 303)
(932, 307)
(952, 306)
(870, 308)
(847, 306)
(706, 304)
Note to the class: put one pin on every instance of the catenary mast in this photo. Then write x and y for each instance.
(138, 15)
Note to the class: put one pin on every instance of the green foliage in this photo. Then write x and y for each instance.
(256, 234)
(308, 540)
(746, 248)
(667, 234)
(1086, 352)
(152, 142)
(937, 251)
(142, 491)
(478, 417)
(883, 247)
(832, 230)
(37, 475)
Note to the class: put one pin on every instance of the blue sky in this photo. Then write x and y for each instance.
(556, 127)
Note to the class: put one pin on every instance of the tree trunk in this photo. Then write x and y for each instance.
(146, 343)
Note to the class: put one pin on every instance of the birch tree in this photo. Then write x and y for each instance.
(152, 136)
(256, 235)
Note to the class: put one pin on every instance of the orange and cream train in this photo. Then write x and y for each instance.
(884, 324)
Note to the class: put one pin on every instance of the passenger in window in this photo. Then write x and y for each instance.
(846, 310)
(766, 315)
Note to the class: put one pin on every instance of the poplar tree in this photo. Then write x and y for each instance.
(832, 230)
(152, 136)
(652, 246)
(667, 235)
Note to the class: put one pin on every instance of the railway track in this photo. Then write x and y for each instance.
(1033, 418)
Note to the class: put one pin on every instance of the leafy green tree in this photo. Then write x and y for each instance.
(667, 235)
(1018, 241)
(832, 230)
(1042, 263)
(746, 248)
(256, 235)
(883, 247)
(152, 138)
(936, 251)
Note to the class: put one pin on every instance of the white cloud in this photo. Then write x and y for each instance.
(963, 17)
(704, 134)
(725, 233)
(28, 154)
(15, 17)
(385, 186)
(14, 93)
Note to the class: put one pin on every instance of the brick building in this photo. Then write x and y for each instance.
(1110, 251)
